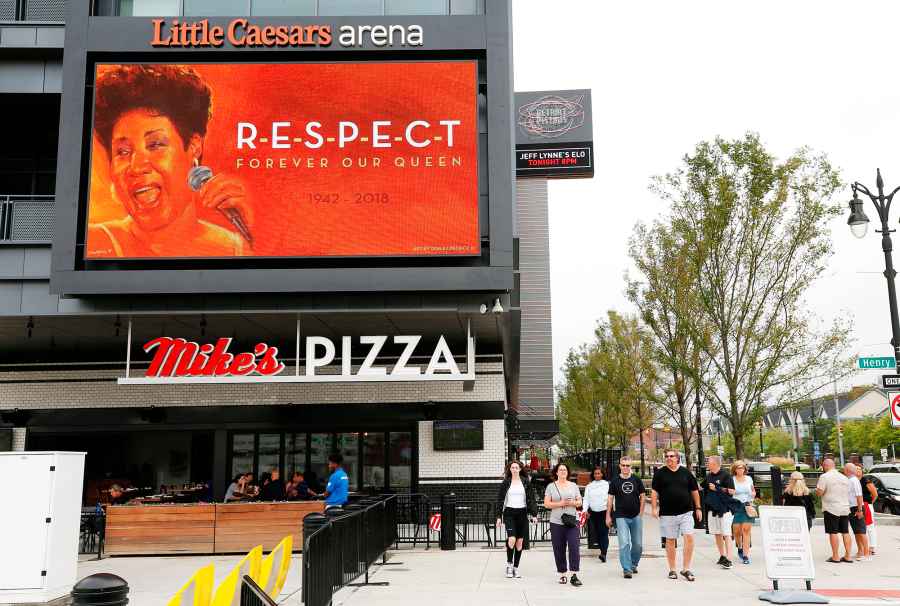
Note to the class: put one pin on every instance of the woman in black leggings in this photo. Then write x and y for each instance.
(515, 502)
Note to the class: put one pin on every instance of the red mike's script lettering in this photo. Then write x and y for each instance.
(183, 358)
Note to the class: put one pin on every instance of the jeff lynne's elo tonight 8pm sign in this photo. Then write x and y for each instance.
(361, 159)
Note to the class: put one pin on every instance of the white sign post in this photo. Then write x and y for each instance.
(788, 554)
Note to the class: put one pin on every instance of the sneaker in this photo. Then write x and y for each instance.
(516, 573)
(745, 559)
(741, 553)
(575, 581)
(721, 561)
(727, 564)
(509, 571)
(627, 574)
(603, 558)
(634, 570)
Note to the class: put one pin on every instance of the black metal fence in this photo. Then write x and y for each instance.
(475, 523)
(345, 546)
(253, 595)
(92, 532)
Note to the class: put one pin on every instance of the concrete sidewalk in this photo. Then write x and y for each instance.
(474, 576)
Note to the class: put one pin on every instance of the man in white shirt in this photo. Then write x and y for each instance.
(857, 512)
(834, 487)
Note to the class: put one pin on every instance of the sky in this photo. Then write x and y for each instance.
(667, 74)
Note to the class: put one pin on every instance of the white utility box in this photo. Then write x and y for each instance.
(41, 512)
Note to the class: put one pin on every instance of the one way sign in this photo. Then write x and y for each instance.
(890, 381)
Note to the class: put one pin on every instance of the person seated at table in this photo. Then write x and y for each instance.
(273, 490)
(117, 495)
(297, 489)
(237, 489)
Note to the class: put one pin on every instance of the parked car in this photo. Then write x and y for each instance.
(760, 466)
(888, 486)
(885, 468)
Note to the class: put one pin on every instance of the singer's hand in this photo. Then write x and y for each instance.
(226, 191)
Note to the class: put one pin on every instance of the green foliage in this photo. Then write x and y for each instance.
(777, 443)
(757, 233)
(868, 435)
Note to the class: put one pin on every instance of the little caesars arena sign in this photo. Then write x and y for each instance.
(243, 33)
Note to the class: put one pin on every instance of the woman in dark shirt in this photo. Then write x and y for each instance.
(797, 494)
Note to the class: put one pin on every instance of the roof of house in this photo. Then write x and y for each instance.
(872, 403)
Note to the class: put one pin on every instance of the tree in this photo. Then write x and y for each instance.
(666, 300)
(757, 232)
(624, 360)
(579, 419)
(777, 442)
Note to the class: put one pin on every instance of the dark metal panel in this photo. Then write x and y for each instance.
(12, 261)
(36, 262)
(36, 298)
(536, 355)
(18, 36)
(22, 76)
(53, 74)
(10, 297)
(53, 37)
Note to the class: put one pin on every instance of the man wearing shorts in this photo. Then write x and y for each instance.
(719, 489)
(675, 500)
(834, 489)
(857, 517)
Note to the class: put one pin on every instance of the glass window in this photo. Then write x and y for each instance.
(216, 8)
(319, 449)
(294, 454)
(348, 446)
(148, 8)
(401, 459)
(466, 7)
(242, 449)
(269, 452)
(350, 7)
(283, 7)
(373, 462)
(416, 7)
(5, 440)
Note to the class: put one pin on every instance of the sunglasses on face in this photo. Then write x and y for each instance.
(671, 456)
(624, 465)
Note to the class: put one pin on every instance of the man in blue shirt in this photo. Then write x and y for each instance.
(338, 482)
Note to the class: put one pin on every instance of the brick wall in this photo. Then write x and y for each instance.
(98, 389)
(18, 439)
(463, 464)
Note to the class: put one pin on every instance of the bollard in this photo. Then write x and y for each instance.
(100, 589)
(311, 523)
(777, 486)
(448, 522)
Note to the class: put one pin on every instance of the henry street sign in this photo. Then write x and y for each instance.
(890, 381)
(876, 363)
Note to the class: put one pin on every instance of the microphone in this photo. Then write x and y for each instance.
(197, 177)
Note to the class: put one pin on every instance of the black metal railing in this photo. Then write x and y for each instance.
(345, 547)
(253, 595)
(92, 533)
(26, 219)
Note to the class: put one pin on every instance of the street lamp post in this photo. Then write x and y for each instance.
(859, 224)
(761, 450)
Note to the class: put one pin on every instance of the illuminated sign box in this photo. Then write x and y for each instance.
(229, 160)
(554, 134)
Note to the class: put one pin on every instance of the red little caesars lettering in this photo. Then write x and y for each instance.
(243, 33)
(183, 358)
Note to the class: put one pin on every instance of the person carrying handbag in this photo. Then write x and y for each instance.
(745, 492)
(562, 498)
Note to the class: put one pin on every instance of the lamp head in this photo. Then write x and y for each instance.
(498, 307)
(858, 221)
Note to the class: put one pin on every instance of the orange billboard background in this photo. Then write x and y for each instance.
(355, 201)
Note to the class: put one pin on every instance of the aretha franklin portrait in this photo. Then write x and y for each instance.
(152, 120)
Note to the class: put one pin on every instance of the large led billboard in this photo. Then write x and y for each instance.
(350, 159)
